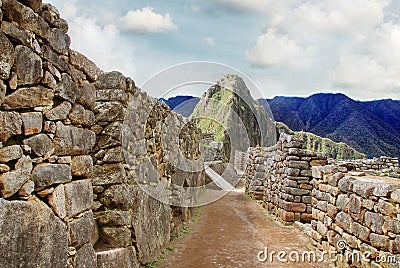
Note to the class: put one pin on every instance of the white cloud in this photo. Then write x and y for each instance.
(103, 44)
(210, 41)
(274, 50)
(341, 43)
(146, 20)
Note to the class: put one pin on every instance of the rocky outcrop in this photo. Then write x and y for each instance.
(228, 110)
(81, 152)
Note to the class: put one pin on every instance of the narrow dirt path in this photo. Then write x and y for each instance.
(230, 233)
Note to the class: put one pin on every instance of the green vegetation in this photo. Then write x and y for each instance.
(318, 144)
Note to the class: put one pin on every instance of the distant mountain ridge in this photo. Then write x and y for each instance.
(371, 127)
(183, 105)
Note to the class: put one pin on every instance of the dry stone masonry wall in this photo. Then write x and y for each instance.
(343, 211)
(75, 145)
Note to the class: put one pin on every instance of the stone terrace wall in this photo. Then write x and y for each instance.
(386, 166)
(341, 213)
(68, 130)
(361, 211)
(279, 177)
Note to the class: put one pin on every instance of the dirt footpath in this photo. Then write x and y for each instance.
(230, 233)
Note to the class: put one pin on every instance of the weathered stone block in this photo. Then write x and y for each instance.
(334, 179)
(346, 184)
(71, 140)
(28, 66)
(59, 40)
(395, 196)
(78, 197)
(57, 201)
(52, 16)
(374, 221)
(67, 89)
(394, 246)
(303, 165)
(6, 57)
(9, 153)
(111, 95)
(60, 112)
(27, 189)
(392, 226)
(32, 123)
(108, 174)
(379, 241)
(10, 125)
(82, 63)
(55, 60)
(41, 144)
(82, 166)
(29, 98)
(118, 257)
(364, 187)
(292, 171)
(111, 80)
(355, 204)
(80, 230)
(86, 257)
(109, 111)
(294, 207)
(11, 182)
(113, 218)
(120, 196)
(116, 237)
(48, 174)
(361, 232)
(343, 220)
(87, 96)
(151, 235)
(114, 155)
(31, 221)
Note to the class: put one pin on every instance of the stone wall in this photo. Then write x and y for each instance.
(78, 149)
(348, 213)
(279, 177)
(382, 166)
(362, 212)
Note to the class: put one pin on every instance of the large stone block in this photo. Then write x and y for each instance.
(121, 257)
(365, 187)
(82, 166)
(11, 182)
(108, 174)
(344, 221)
(54, 59)
(109, 111)
(31, 235)
(111, 80)
(361, 232)
(29, 98)
(48, 174)
(379, 241)
(6, 56)
(28, 66)
(85, 65)
(71, 140)
(78, 197)
(80, 229)
(10, 125)
(41, 144)
(151, 220)
(59, 40)
(9, 153)
(115, 237)
(60, 112)
(86, 257)
(67, 89)
(374, 221)
(32, 123)
(303, 165)
(120, 196)
(113, 218)
(87, 96)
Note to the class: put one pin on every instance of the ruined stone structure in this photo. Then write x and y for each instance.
(78, 149)
(342, 212)
(382, 166)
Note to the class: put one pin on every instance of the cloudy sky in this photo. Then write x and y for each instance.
(287, 47)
